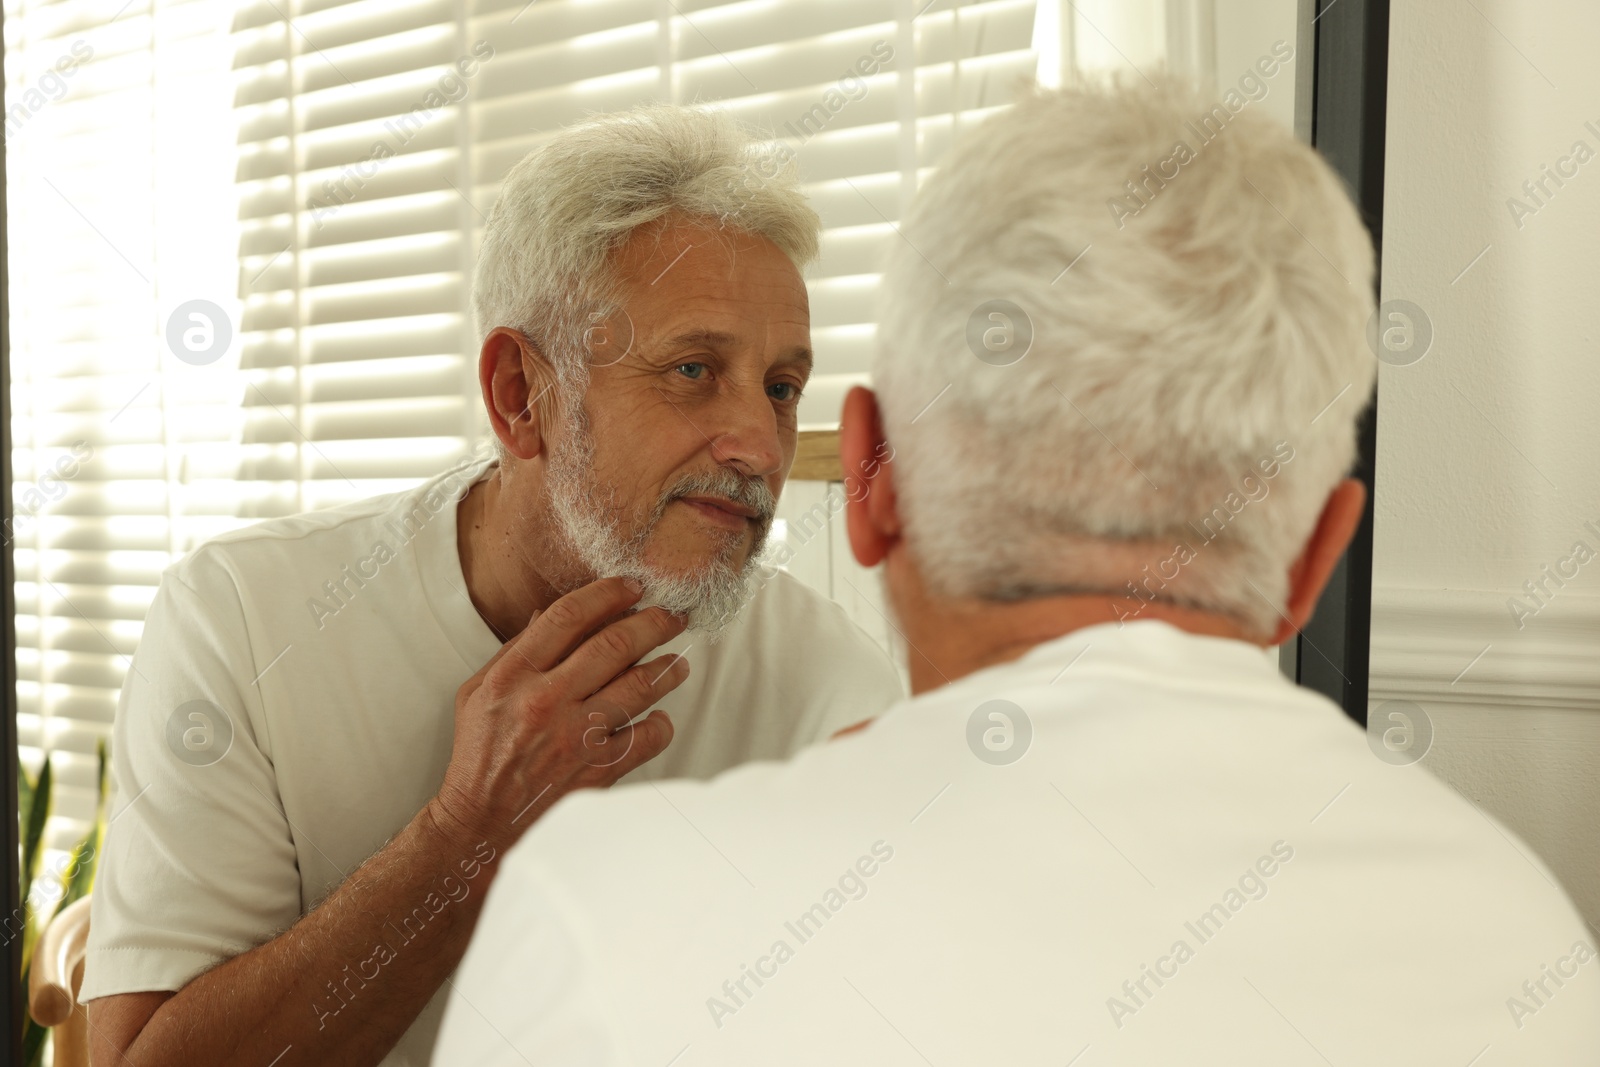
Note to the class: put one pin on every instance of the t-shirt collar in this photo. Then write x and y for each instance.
(439, 562)
(1150, 645)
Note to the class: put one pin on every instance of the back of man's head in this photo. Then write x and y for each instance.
(1113, 331)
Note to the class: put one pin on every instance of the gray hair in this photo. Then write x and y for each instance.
(545, 264)
(1212, 322)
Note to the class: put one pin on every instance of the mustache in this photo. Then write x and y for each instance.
(752, 492)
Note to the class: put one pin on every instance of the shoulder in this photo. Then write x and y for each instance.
(308, 533)
(656, 832)
(643, 827)
(265, 552)
(312, 529)
(1404, 826)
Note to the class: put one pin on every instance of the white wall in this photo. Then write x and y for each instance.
(811, 520)
(1488, 456)
(1245, 32)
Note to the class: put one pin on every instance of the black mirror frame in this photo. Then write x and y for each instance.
(1348, 119)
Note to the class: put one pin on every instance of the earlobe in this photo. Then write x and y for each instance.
(1309, 575)
(517, 383)
(866, 459)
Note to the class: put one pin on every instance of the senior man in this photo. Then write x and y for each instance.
(1106, 830)
(335, 724)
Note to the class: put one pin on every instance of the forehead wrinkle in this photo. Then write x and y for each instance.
(761, 306)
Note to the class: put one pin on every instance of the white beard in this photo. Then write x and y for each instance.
(710, 597)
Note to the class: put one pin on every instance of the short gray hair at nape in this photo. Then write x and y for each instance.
(546, 263)
(1217, 319)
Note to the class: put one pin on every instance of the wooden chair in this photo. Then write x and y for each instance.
(55, 979)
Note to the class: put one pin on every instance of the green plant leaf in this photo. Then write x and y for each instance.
(103, 759)
(76, 880)
(85, 860)
(33, 1036)
(24, 794)
(37, 816)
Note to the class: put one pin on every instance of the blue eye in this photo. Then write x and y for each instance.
(784, 391)
(692, 371)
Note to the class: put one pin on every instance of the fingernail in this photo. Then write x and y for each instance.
(633, 585)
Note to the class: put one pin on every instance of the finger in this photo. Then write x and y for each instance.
(651, 736)
(554, 633)
(599, 625)
(634, 690)
(470, 686)
(522, 660)
(616, 648)
(599, 744)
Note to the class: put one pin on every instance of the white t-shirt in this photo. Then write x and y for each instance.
(291, 707)
(1192, 861)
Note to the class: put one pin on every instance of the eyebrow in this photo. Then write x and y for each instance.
(721, 339)
(700, 336)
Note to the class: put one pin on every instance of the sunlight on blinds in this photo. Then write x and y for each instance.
(866, 93)
(119, 182)
(355, 246)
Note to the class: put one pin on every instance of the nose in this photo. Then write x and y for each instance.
(748, 439)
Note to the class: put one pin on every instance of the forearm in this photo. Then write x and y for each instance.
(344, 983)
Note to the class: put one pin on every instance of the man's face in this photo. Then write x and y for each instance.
(690, 413)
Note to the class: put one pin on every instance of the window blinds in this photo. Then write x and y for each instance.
(119, 200)
(310, 178)
(374, 137)
(866, 92)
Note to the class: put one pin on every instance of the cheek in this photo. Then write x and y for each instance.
(638, 454)
(619, 471)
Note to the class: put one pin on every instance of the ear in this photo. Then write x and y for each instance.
(868, 462)
(518, 390)
(1331, 536)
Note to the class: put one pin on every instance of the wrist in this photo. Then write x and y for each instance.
(454, 832)
(472, 852)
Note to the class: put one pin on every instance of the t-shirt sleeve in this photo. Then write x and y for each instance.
(525, 991)
(199, 861)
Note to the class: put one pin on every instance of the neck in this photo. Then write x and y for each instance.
(951, 638)
(499, 554)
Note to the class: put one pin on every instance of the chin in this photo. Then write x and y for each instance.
(711, 593)
(699, 561)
